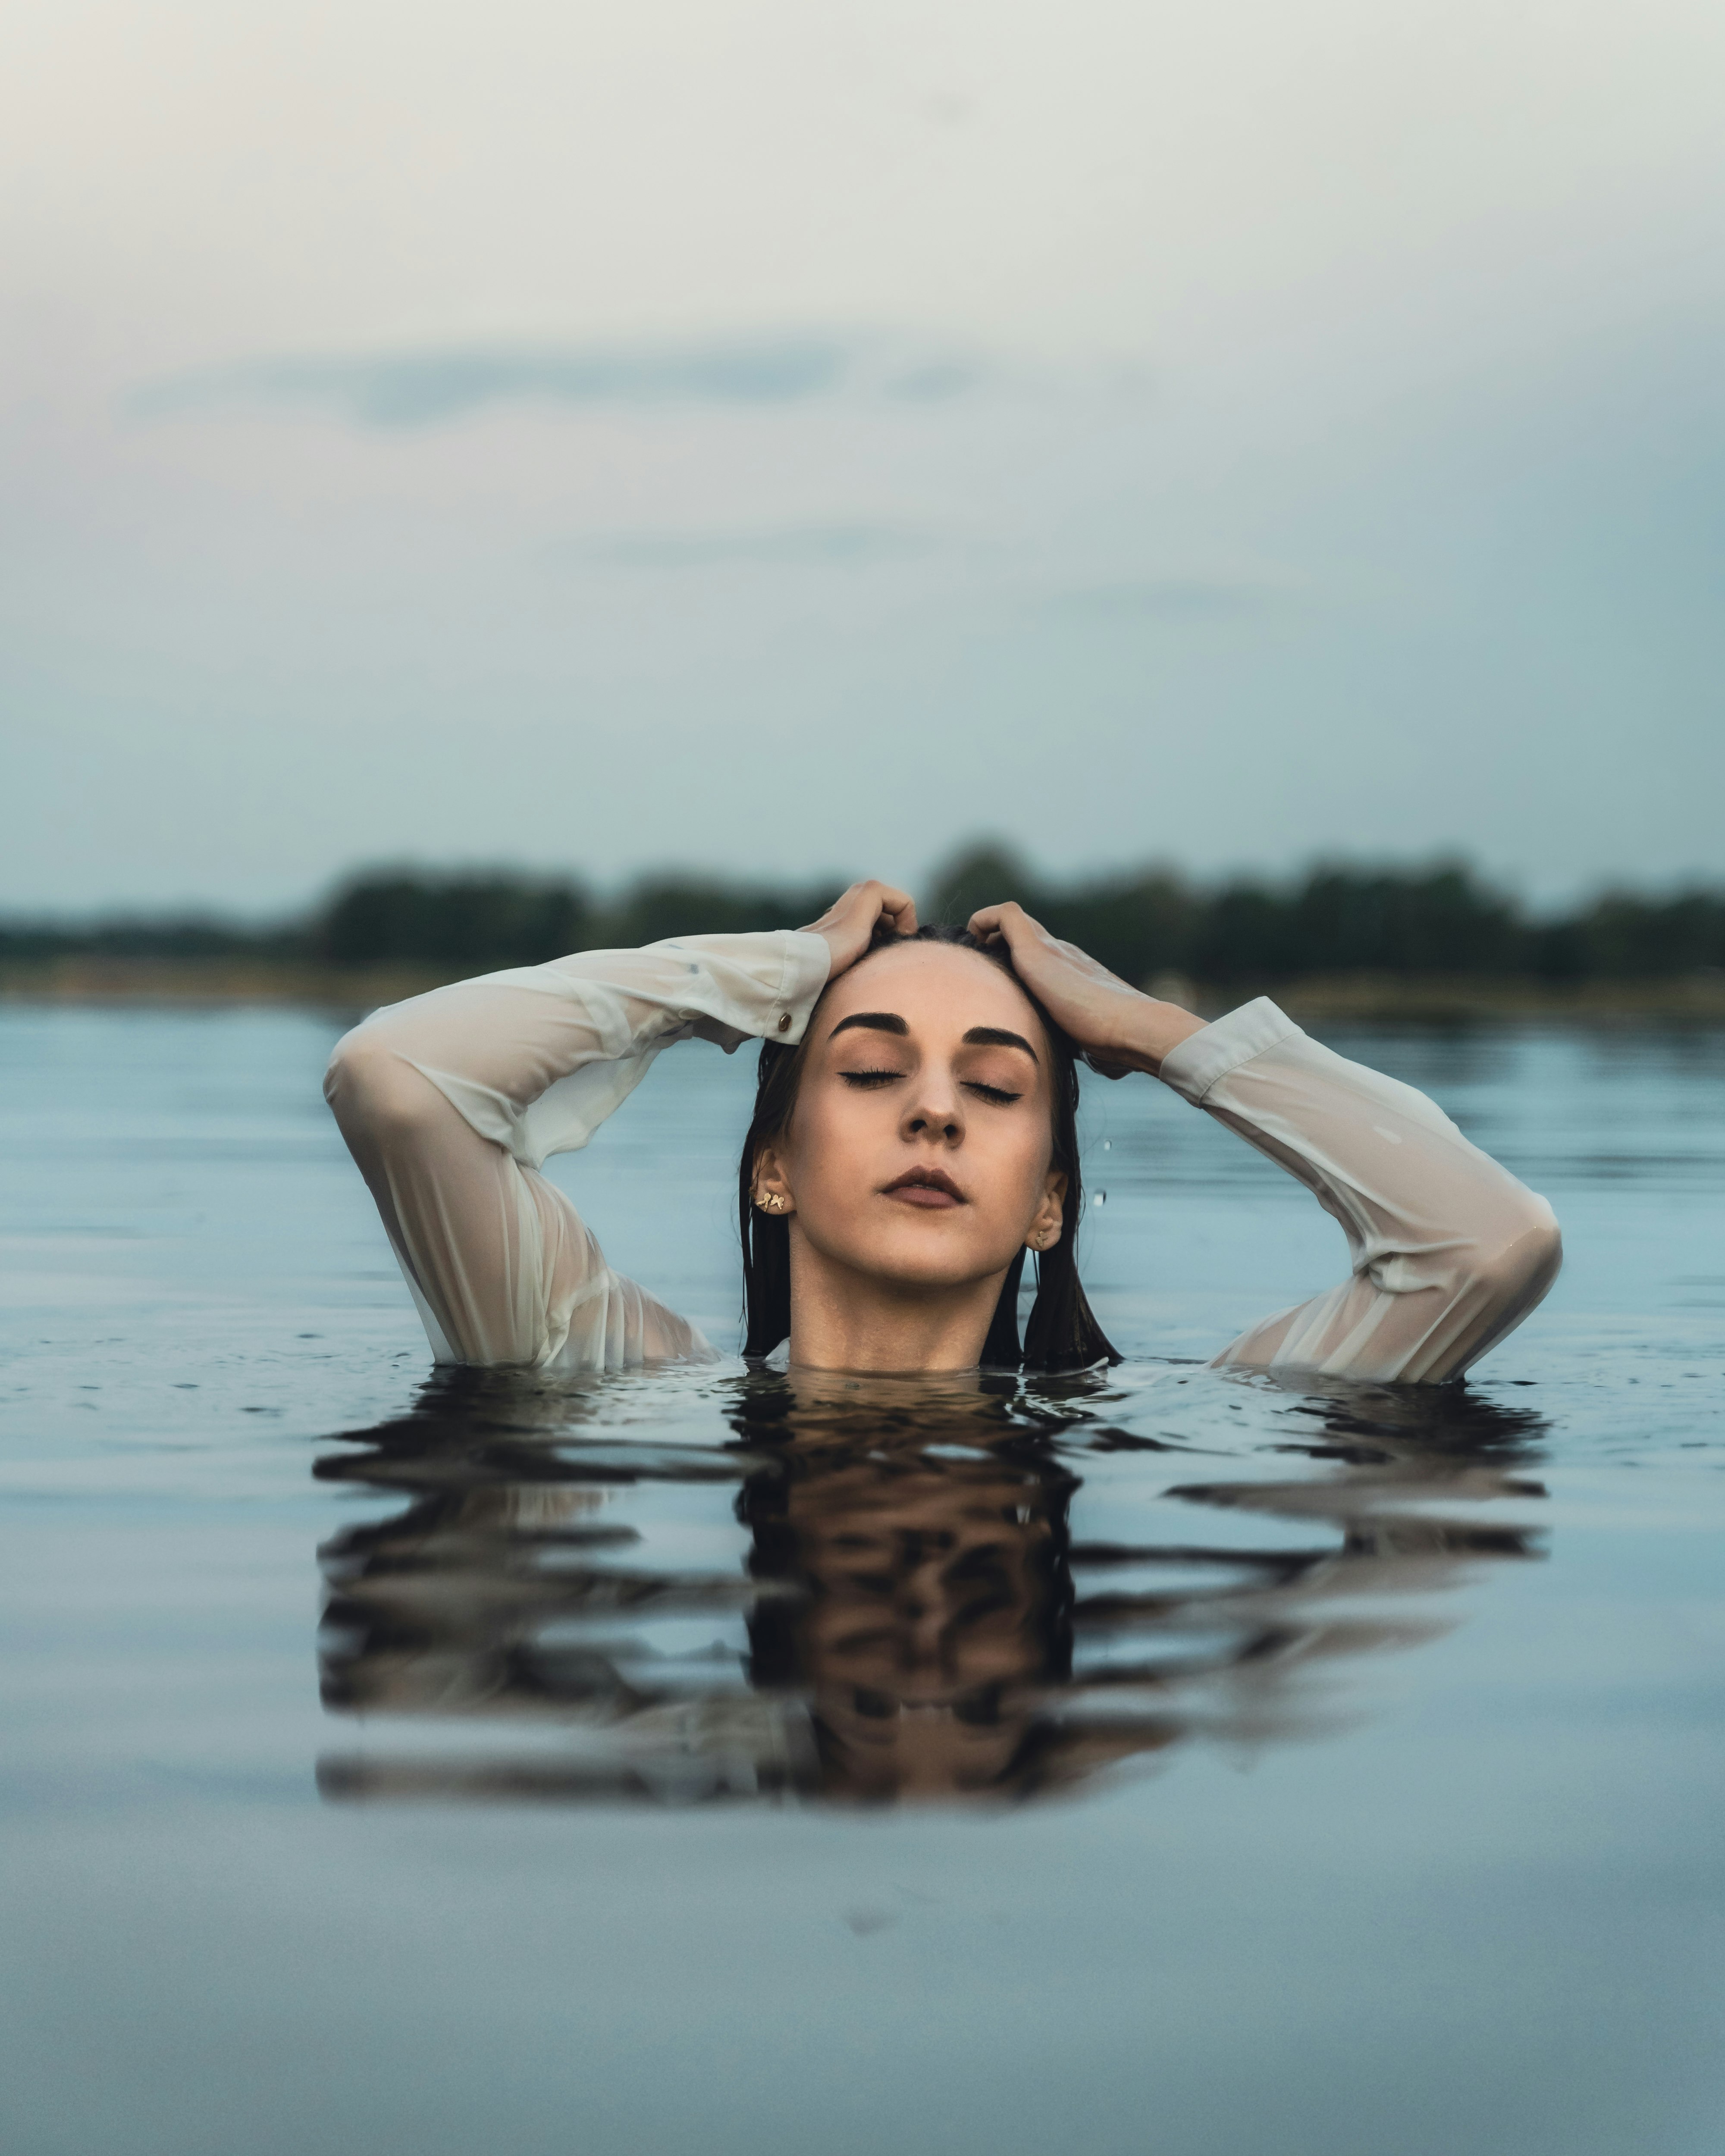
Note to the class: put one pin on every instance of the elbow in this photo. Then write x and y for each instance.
(1518, 1265)
(351, 1069)
(376, 1098)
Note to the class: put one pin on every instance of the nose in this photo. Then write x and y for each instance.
(935, 1110)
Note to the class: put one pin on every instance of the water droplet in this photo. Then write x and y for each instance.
(1101, 1198)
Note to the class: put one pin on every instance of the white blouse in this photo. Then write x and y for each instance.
(449, 1102)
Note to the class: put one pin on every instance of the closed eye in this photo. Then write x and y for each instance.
(869, 1081)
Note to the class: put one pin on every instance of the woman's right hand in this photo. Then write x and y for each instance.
(849, 922)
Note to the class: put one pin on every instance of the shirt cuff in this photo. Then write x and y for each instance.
(808, 960)
(1204, 1057)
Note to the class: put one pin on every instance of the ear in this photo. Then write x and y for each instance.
(1046, 1222)
(769, 1184)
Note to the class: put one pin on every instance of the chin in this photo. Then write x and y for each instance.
(930, 1261)
(942, 1250)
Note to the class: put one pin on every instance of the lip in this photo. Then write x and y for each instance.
(931, 1189)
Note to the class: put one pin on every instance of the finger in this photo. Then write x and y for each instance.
(988, 922)
(899, 908)
(876, 901)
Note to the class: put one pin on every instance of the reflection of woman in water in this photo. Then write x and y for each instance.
(914, 1594)
(919, 1620)
(914, 1137)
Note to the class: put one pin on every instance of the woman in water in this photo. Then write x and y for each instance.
(914, 1136)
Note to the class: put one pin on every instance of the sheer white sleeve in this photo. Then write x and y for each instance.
(1449, 1251)
(449, 1103)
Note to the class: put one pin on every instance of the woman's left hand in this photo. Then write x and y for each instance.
(1116, 1027)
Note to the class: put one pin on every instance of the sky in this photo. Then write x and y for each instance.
(741, 435)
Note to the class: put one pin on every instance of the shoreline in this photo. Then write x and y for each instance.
(217, 984)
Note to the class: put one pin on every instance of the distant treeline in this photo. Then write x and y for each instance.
(1440, 920)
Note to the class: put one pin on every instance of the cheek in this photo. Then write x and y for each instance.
(1019, 1168)
(837, 1141)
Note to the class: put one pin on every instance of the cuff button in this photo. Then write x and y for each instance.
(784, 1024)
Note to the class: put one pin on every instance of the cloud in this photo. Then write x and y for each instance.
(432, 387)
(1172, 598)
(793, 545)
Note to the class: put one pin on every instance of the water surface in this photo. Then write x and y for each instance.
(697, 1760)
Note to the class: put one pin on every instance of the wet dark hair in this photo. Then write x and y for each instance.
(1062, 1333)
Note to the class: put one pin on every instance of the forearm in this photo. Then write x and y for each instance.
(1449, 1251)
(535, 1058)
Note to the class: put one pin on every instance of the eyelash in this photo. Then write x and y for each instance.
(869, 1081)
(996, 1096)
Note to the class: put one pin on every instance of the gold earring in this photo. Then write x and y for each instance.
(769, 1201)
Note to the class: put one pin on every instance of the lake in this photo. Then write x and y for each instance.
(696, 1761)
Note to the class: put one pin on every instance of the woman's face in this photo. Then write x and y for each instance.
(918, 1151)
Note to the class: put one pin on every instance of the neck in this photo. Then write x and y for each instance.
(845, 1320)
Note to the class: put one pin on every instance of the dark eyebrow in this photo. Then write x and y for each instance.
(876, 1021)
(997, 1036)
